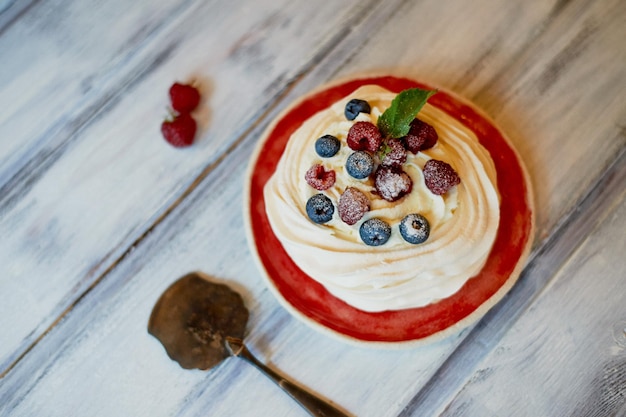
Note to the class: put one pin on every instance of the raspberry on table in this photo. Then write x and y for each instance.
(184, 97)
(392, 183)
(320, 179)
(179, 131)
(353, 204)
(395, 154)
(440, 176)
(421, 136)
(364, 136)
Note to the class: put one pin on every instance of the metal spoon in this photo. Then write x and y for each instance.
(201, 323)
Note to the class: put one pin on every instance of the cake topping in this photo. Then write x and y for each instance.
(440, 176)
(320, 209)
(320, 179)
(327, 146)
(395, 122)
(414, 228)
(393, 153)
(392, 183)
(364, 136)
(375, 232)
(421, 136)
(380, 148)
(356, 106)
(395, 274)
(353, 204)
(360, 164)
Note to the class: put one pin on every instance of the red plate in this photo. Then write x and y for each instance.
(309, 301)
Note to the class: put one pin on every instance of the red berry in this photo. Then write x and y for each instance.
(421, 136)
(180, 131)
(353, 204)
(392, 183)
(440, 176)
(395, 154)
(185, 98)
(364, 136)
(320, 179)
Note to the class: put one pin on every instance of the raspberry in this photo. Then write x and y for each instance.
(353, 204)
(184, 98)
(364, 136)
(320, 179)
(392, 183)
(421, 136)
(180, 131)
(395, 154)
(440, 176)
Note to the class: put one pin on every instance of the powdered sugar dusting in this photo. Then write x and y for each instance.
(421, 136)
(440, 176)
(353, 204)
(364, 136)
(320, 179)
(392, 183)
(395, 153)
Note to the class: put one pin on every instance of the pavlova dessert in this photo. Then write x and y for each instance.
(388, 202)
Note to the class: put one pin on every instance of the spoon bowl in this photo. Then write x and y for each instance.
(200, 323)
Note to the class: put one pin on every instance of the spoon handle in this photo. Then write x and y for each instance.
(313, 404)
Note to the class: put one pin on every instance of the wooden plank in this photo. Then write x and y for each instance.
(85, 197)
(566, 354)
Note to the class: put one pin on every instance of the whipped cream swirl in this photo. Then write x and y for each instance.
(396, 275)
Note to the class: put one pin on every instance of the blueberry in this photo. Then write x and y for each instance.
(319, 208)
(360, 164)
(327, 146)
(356, 106)
(375, 232)
(415, 228)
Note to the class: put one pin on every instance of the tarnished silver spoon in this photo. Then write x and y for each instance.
(200, 323)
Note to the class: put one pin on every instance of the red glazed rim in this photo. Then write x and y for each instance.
(309, 301)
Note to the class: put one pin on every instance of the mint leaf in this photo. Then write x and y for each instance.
(395, 121)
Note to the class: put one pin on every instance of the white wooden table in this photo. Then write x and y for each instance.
(98, 215)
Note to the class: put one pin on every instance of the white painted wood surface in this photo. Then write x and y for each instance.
(98, 215)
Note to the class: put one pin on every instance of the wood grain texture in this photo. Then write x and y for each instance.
(73, 66)
(99, 216)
